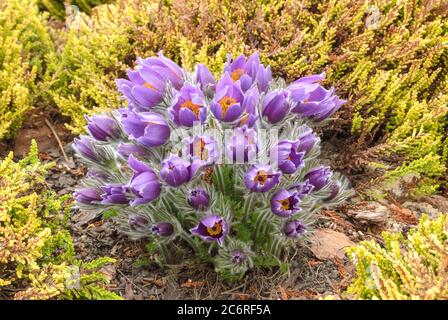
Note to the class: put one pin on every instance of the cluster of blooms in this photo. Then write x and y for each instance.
(164, 161)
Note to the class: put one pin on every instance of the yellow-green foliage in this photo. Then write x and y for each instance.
(36, 250)
(25, 48)
(388, 58)
(411, 268)
(57, 9)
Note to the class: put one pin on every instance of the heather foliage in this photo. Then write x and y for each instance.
(388, 57)
(37, 258)
(57, 8)
(405, 267)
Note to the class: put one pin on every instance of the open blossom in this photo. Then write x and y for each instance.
(319, 177)
(287, 156)
(227, 104)
(211, 228)
(242, 146)
(248, 72)
(294, 229)
(147, 128)
(102, 127)
(313, 100)
(144, 183)
(176, 170)
(88, 195)
(285, 203)
(203, 147)
(261, 178)
(198, 199)
(188, 106)
(276, 105)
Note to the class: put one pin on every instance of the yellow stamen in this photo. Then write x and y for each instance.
(236, 74)
(215, 230)
(244, 119)
(226, 103)
(262, 177)
(193, 107)
(284, 204)
(149, 86)
(200, 151)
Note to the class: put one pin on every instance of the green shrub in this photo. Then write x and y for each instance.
(56, 8)
(37, 257)
(415, 267)
(392, 71)
(26, 46)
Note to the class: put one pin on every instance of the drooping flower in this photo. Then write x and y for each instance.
(162, 229)
(144, 183)
(138, 223)
(88, 195)
(287, 157)
(211, 228)
(204, 77)
(242, 146)
(176, 170)
(307, 141)
(313, 100)
(319, 177)
(116, 194)
(188, 106)
(99, 175)
(102, 127)
(237, 257)
(147, 128)
(261, 178)
(227, 104)
(334, 191)
(247, 72)
(126, 149)
(303, 189)
(84, 147)
(166, 68)
(203, 147)
(294, 229)
(276, 105)
(198, 199)
(285, 202)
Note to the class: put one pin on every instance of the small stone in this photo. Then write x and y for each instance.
(329, 244)
(376, 213)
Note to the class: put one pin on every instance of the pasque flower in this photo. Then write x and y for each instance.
(138, 223)
(126, 149)
(211, 228)
(116, 194)
(198, 199)
(176, 170)
(227, 104)
(204, 77)
(313, 100)
(294, 228)
(88, 195)
(188, 106)
(144, 183)
(287, 156)
(85, 147)
(307, 141)
(250, 114)
(285, 202)
(261, 178)
(237, 257)
(334, 191)
(102, 127)
(147, 128)
(242, 146)
(319, 177)
(276, 105)
(203, 147)
(162, 229)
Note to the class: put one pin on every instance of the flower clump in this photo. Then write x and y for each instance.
(228, 166)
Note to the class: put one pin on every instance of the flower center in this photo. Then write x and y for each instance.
(150, 86)
(226, 103)
(193, 107)
(285, 204)
(244, 119)
(200, 151)
(236, 74)
(262, 177)
(215, 231)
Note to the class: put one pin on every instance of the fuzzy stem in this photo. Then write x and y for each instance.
(248, 205)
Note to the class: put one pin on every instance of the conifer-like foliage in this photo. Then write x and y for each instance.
(37, 258)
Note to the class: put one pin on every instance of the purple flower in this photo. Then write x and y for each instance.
(188, 106)
(162, 229)
(319, 177)
(287, 156)
(227, 105)
(237, 257)
(249, 115)
(335, 188)
(294, 229)
(138, 223)
(85, 147)
(276, 105)
(261, 178)
(204, 77)
(88, 195)
(96, 174)
(126, 149)
(303, 189)
(147, 128)
(307, 141)
(176, 171)
(285, 203)
(102, 127)
(202, 147)
(313, 100)
(147, 82)
(144, 183)
(198, 199)
(242, 145)
(248, 72)
(211, 228)
(116, 194)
